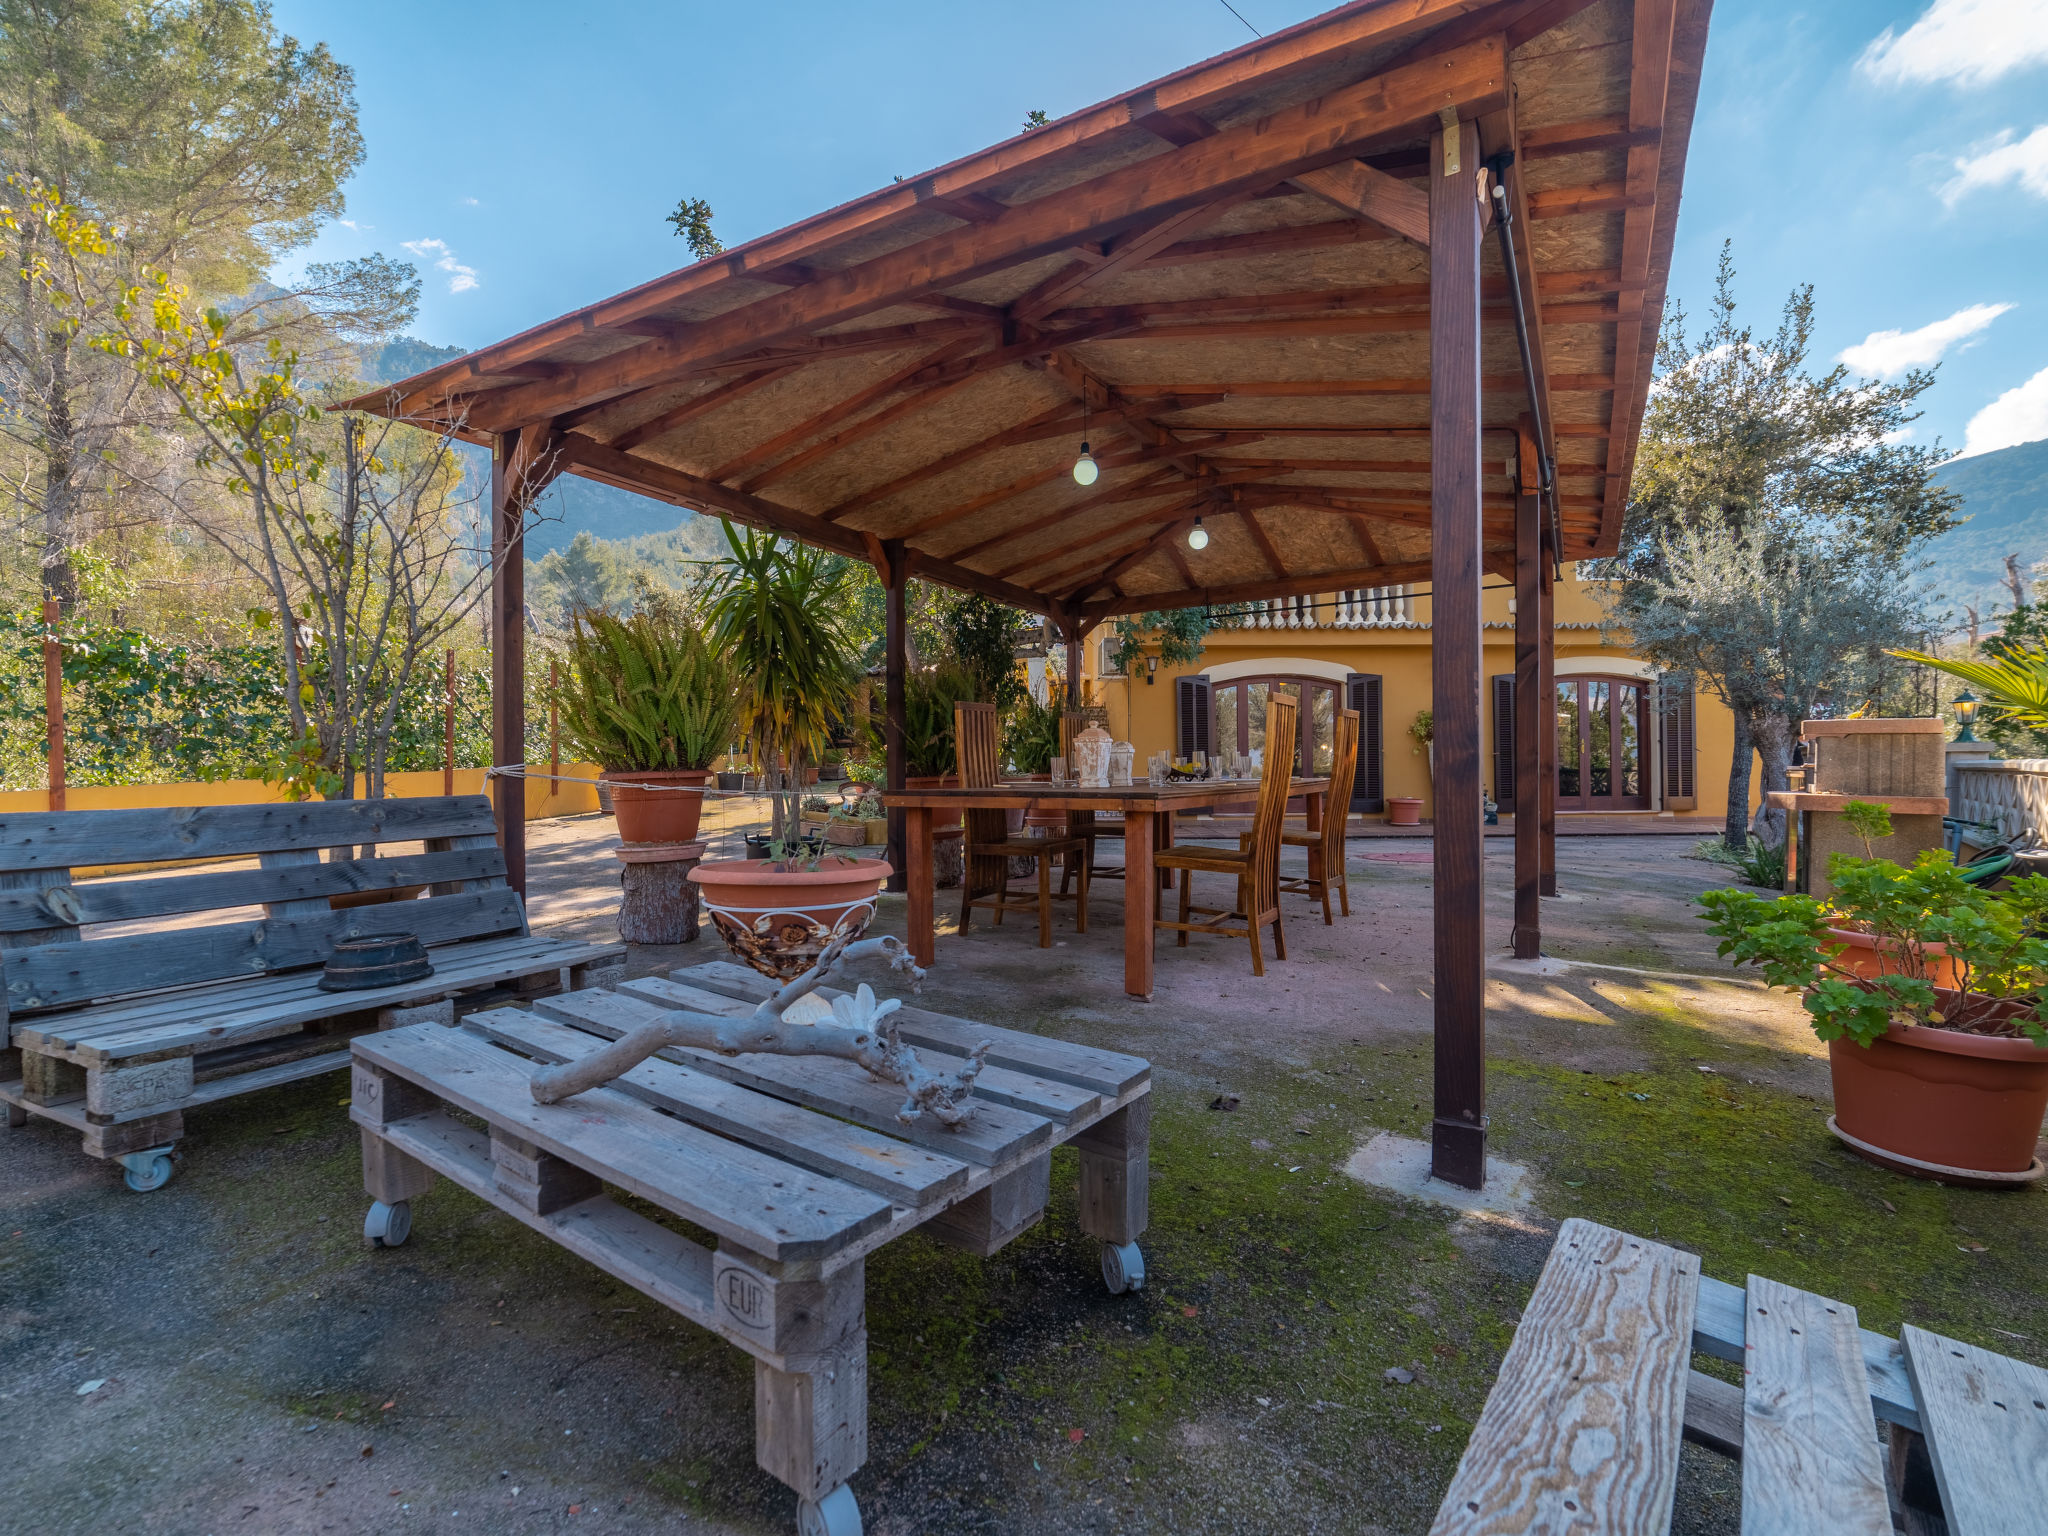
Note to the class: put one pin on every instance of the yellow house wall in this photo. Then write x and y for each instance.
(1141, 705)
(543, 798)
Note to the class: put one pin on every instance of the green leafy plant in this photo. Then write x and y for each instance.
(1031, 737)
(1423, 728)
(1761, 864)
(1989, 937)
(645, 694)
(929, 694)
(778, 612)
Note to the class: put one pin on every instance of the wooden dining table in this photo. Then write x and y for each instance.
(1148, 812)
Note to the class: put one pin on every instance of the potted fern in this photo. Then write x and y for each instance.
(1937, 1024)
(652, 702)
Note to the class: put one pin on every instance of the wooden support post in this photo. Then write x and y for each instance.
(53, 700)
(1458, 1131)
(1116, 1173)
(1546, 736)
(895, 720)
(1070, 627)
(448, 723)
(554, 728)
(1528, 939)
(508, 657)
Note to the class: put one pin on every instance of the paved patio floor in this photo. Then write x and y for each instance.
(260, 1370)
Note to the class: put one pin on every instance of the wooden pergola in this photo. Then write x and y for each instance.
(1375, 299)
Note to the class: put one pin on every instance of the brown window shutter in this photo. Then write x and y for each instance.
(1504, 739)
(1192, 708)
(1675, 693)
(1369, 789)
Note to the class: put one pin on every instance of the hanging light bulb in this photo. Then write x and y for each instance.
(1085, 467)
(1198, 536)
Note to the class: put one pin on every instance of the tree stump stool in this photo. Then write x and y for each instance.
(661, 902)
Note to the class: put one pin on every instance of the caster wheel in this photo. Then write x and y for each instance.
(147, 1170)
(1123, 1268)
(836, 1514)
(388, 1225)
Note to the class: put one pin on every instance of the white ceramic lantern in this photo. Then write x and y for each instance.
(1121, 756)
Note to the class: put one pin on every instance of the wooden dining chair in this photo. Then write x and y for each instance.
(1325, 845)
(1255, 862)
(985, 880)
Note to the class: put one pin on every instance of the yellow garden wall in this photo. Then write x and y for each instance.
(1142, 712)
(542, 797)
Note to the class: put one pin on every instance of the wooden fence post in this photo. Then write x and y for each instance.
(448, 721)
(554, 729)
(53, 701)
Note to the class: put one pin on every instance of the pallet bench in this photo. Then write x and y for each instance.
(796, 1165)
(1582, 1429)
(116, 1035)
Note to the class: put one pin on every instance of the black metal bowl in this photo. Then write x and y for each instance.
(376, 960)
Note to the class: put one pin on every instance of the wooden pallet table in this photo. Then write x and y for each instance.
(797, 1165)
(116, 1034)
(1582, 1428)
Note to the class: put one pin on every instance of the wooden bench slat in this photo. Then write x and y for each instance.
(56, 974)
(228, 1014)
(992, 1135)
(1985, 1417)
(909, 1176)
(1810, 1464)
(1061, 1103)
(761, 1202)
(118, 901)
(1109, 1073)
(1582, 1429)
(1719, 1330)
(74, 839)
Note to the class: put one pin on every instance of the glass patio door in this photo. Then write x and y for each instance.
(1602, 725)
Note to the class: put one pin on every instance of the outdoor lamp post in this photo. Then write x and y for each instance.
(1966, 712)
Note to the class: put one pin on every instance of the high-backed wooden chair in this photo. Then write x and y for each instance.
(1325, 845)
(985, 881)
(1255, 862)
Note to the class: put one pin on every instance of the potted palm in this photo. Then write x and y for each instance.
(776, 611)
(1937, 1051)
(652, 702)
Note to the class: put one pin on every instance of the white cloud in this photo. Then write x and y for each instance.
(2001, 159)
(469, 202)
(1890, 353)
(2019, 415)
(1964, 42)
(460, 278)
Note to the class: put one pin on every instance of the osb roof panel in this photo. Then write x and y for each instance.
(877, 372)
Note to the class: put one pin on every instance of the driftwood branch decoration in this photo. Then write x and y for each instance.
(857, 1032)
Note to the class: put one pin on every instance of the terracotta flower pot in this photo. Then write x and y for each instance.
(1404, 811)
(1942, 1104)
(656, 815)
(779, 919)
(937, 781)
(1865, 954)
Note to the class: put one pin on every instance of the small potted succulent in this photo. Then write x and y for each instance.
(651, 701)
(1937, 1031)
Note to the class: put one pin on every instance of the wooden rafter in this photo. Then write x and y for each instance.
(697, 405)
(1245, 592)
(1160, 482)
(1284, 144)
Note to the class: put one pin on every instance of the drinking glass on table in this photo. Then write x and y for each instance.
(1059, 771)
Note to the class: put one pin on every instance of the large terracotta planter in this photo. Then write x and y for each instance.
(1865, 954)
(1404, 811)
(777, 919)
(656, 815)
(1942, 1104)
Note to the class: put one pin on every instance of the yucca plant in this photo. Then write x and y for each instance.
(647, 693)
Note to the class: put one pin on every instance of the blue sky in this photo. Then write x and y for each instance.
(1893, 154)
